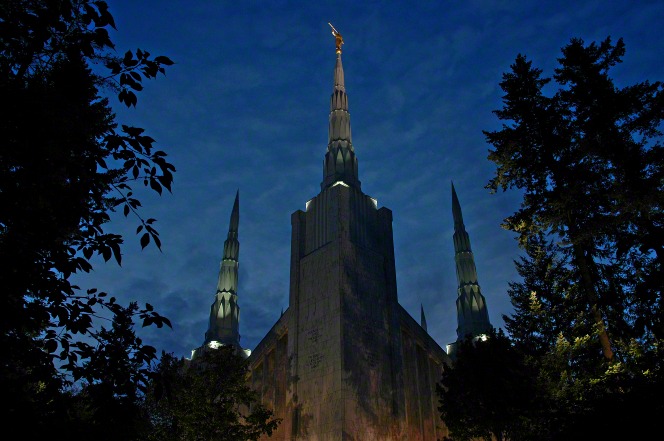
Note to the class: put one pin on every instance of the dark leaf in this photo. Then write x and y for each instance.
(163, 60)
(117, 253)
(154, 184)
(157, 241)
(145, 240)
(127, 58)
(51, 345)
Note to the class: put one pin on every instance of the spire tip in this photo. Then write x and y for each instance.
(423, 320)
(235, 214)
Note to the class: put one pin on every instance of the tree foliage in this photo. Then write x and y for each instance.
(108, 403)
(207, 399)
(489, 391)
(589, 162)
(578, 397)
(65, 165)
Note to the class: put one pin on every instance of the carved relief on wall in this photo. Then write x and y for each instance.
(314, 360)
(314, 335)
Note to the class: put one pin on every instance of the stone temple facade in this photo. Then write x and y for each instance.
(346, 361)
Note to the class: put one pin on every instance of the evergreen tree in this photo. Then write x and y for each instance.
(588, 311)
(542, 307)
(575, 399)
(589, 161)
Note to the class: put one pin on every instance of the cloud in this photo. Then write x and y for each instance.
(246, 106)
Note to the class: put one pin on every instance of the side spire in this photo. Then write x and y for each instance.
(423, 319)
(456, 210)
(340, 162)
(472, 313)
(235, 216)
(224, 322)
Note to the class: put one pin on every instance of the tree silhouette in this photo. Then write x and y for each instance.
(589, 160)
(206, 399)
(66, 163)
(489, 392)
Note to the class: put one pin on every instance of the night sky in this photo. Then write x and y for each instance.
(246, 107)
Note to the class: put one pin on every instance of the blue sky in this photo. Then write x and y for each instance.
(246, 106)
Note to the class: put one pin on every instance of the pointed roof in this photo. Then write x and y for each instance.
(472, 314)
(223, 327)
(339, 130)
(339, 77)
(456, 210)
(423, 319)
(235, 216)
(340, 163)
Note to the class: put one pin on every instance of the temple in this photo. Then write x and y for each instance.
(345, 361)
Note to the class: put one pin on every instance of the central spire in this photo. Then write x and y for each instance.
(340, 162)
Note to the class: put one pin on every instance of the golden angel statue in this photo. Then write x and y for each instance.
(337, 38)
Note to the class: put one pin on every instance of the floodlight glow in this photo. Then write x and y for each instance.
(375, 202)
(340, 183)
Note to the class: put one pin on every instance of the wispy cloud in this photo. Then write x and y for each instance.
(246, 107)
